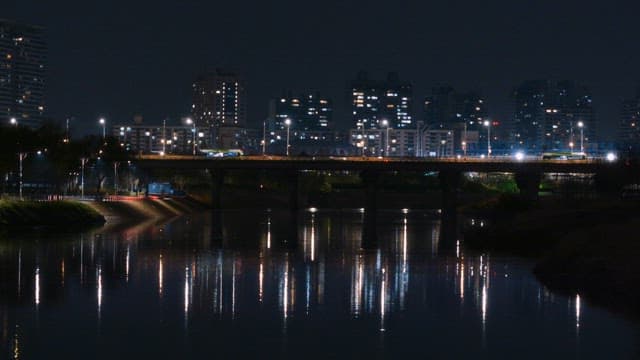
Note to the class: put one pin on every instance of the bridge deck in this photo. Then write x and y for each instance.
(271, 162)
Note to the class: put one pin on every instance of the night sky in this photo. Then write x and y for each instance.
(121, 57)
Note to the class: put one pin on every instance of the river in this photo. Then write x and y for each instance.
(277, 288)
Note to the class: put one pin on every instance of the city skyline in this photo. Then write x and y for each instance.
(121, 66)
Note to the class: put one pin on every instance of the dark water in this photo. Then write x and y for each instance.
(173, 291)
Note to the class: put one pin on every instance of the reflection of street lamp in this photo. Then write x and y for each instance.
(103, 122)
(581, 126)
(287, 122)
(385, 123)
(193, 130)
(487, 123)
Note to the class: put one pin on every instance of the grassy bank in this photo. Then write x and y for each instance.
(587, 247)
(54, 214)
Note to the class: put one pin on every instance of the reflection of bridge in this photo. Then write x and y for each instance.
(527, 173)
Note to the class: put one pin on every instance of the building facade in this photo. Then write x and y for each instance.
(160, 139)
(464, 113)
(378, 104)
(553, 116)
(219, 101)
(629, 127)
(23, 57)
(307, 113)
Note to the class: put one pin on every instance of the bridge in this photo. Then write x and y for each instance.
(527, 173)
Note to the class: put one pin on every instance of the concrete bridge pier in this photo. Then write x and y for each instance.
(371, 181)
(217, 188)
(529, 184)
(450, 184)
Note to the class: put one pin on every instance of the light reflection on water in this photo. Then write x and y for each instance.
(172, 290)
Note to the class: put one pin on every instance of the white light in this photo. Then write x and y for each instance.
(519, 156)
(313, 209)
(611, 156)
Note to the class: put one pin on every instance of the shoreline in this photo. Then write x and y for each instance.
(584, 247)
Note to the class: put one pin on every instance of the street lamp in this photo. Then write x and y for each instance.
(288, 123)
(487, 123)
(103, 122)
(21, 157)
(385, 123)
(164, 136)
(193, 130)
(581, 126)
(115, 178)
(464, 140)
(264, 137)
(82, 162)
(442, 147)
(13, 121)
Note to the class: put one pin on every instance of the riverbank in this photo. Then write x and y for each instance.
(129, 212)
(48, 214)
(586, 247)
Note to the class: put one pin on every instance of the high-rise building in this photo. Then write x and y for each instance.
(219, 101)
(23, 55)
(629, 130)
(308, 112)
(379, 104)
(553, 116)
(463, 113)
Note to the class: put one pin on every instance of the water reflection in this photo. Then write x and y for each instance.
(405, 287)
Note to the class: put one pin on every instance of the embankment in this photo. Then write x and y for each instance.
(128, 212)
(586, 247)
(49, 214)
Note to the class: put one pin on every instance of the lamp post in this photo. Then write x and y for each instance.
(581, 126)
(442, 147)
(103, 122)
(13, 121)
(264, 138)
(287, 122)
(189, 121)
(82, 162)
(164, 136)
(385, 123)
(464, 140)
(21, 157)
(115, 178)
(487, 123)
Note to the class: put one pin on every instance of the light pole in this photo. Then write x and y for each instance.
(385, 123)
(581, 126)
(487, 123)
(115, 178)
(164, 136)
(21, 156)
(264, 138)
(442, 147)
(288, 123)
(103, 122)
(464, 140)
(193, 130)
(82, 162)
